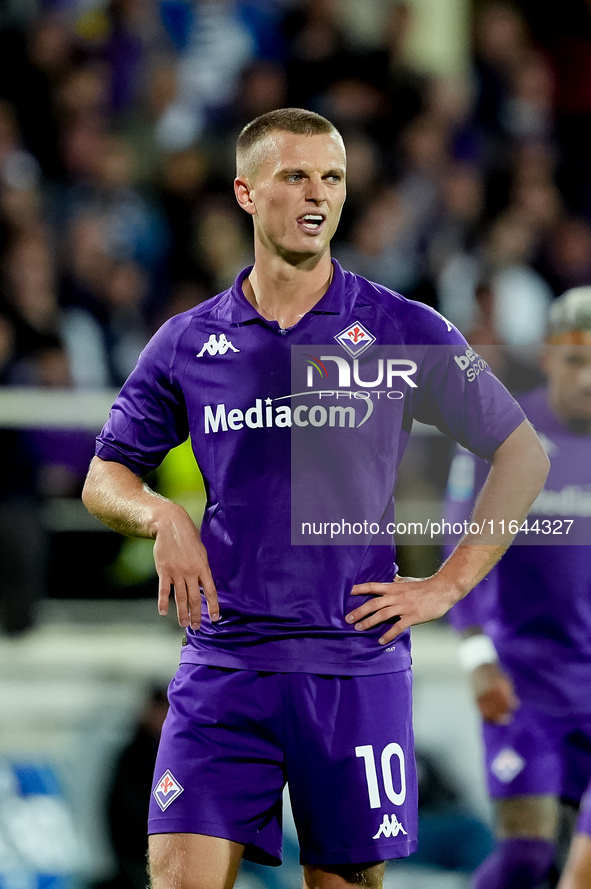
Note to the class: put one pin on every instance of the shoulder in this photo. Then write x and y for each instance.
(412, 321)
(173, 330)
(168, 348)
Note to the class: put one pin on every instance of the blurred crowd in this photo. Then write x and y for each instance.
(118, 120)
(117, 126)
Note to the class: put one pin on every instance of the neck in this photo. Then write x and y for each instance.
(285, 293)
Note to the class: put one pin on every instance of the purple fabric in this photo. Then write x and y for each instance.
(232, 738)
(515, 864)
(536, 606)
(584, 820)
(225, 375)
(537, 753)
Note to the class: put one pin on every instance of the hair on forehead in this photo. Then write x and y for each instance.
(571, 311)
(251, 141)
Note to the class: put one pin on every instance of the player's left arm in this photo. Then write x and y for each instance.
(519, 468)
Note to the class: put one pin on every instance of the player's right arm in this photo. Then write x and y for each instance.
(492, 688)
(120, 499)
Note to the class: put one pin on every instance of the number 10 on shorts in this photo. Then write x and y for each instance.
(390, 751)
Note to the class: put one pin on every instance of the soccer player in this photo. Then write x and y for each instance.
(527, 628)
(295, 665)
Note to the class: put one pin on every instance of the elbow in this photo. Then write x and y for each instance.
(88, 496)
(535, 462)
(546, 467)
(540, 464)
(90, 491)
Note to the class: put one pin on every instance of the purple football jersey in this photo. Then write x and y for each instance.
(261, 405)
(536, 603)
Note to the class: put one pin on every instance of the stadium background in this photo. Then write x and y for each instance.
(468, 128)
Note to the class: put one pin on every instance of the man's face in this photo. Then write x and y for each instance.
(568, 368)
(296, 194)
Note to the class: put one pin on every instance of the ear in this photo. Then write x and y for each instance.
(544, 358)
(242, 190)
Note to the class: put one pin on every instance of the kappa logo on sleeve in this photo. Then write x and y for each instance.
(217, 345)
(355, 339)
(167, 789)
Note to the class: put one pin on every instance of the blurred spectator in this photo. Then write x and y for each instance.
(317, 51)
(382, 245)
(183, 181)
(566, 261)
(33, 65)
(458, 218)
(60, 455)
(32, 303)
(501, 43)
(132, 227)
(222, 244)
(520, 294)
(566, 38)
(389, 68)
(23, 542)
(426, 156)
(126, 291)
(363, 174)
(215, 41)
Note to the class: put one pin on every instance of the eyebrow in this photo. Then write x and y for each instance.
(289, 171)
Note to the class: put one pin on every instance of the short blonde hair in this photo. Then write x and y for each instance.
(571, 311)
(285, 120)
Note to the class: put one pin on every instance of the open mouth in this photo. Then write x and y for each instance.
(311, 222)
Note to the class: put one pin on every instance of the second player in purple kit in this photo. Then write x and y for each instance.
(296, 662)
(528, 626)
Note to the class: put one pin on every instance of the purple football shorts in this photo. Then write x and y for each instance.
(584, 820)
(538, 754)
(233, 738)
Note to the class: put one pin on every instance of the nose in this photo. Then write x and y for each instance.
(316, 190)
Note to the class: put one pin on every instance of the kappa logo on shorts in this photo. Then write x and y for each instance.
(390, 827)
(507, 764)
(355, 338)
(167, 789)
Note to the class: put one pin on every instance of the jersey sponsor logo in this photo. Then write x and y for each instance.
(507, 764)
(167, 789)
(390, 827)
(217, 345)
(385, 371)
(472, 363)
(217, 418)
(355, 338)
(570, 500)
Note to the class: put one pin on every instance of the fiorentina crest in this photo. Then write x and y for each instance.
(355, 338)
(167, 789)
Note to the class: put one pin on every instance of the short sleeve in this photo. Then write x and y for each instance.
(149, 416)
(458, 393)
